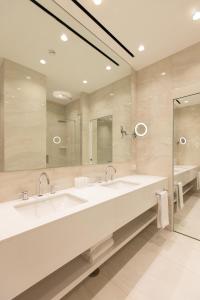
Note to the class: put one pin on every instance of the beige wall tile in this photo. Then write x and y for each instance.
(155, 94)
(24, 118)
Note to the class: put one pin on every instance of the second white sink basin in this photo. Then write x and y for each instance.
(48, 205)
(121, 185)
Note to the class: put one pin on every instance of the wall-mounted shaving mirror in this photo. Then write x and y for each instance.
(187, 165)
(182, 140)
(101, 140)
(52, 83)
(140, 129)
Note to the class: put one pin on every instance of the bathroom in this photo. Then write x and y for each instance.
(99, 150)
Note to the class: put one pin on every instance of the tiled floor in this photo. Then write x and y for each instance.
(187, 220)
(154, 266)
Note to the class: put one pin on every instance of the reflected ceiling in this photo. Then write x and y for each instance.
(28, 35)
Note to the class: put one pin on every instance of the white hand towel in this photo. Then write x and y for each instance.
(95, 252)
(163, 210)
(198, 181)
(180, 195)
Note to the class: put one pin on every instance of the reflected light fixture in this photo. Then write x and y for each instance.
(182, 140)
(97, 2)
(62, 95)
(43, 61)
(196, 16)
(141, 48)
(108, 68)
(64, 37)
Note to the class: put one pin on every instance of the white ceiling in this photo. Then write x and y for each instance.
(163, 26)
(26, 35)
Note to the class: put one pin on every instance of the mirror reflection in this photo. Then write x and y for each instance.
(101, 140)
(186, 165)
(55, 87)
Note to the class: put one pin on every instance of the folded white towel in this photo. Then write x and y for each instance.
(180, 195)
(163, 210)
(109, 237)
(96, 251)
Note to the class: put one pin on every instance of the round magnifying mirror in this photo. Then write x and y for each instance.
(140, 129)
(57, 140)
(182, 140)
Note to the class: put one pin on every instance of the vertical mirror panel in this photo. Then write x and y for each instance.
(56, 80)
(187, 166)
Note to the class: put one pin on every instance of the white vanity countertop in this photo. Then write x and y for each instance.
(178, 169)
(14, 223)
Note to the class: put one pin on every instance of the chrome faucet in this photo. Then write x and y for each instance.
(25, 195)
(43, 174)
(110, 170)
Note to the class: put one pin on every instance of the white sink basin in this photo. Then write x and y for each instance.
(121, 185)
(46, 206)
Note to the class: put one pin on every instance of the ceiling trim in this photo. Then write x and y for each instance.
(74, 31)
(77, 3)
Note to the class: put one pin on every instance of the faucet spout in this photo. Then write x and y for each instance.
(110, 170)
(43, 175)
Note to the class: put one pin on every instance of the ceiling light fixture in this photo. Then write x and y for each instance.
(28, 77)
(141, 48)
(186, 101)
(62, 95)
(163, 73)
(64, 37)
(97, 2)
(108, 68)
(85, 81)
(196, 16)
(43, 61)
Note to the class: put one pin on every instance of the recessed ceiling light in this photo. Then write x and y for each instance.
(62, 95)
(111, 94)
(85, 81)
(163, 73)
(97, 2)
(141, 48)
(196, 16)
(28, 77)
(108, 68)
(64, 37)
(186, 101)
(43, 61)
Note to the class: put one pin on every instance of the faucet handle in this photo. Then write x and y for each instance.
(25, 195)
(52, 189)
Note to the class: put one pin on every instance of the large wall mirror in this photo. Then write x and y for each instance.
(64, 95)
(187, 165)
